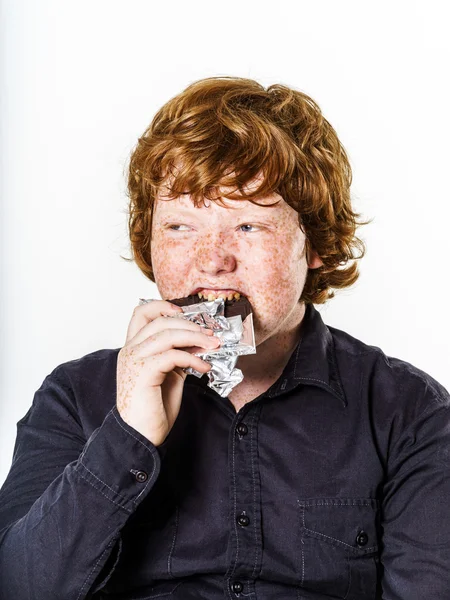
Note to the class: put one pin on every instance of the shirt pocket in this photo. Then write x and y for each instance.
(339, 546)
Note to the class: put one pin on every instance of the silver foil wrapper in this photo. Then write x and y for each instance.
(237, 339)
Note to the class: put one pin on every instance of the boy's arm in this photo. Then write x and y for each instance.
(416, 506)
(66, 499)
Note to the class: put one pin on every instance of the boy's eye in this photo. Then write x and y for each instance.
(247, 225)
(173, 227)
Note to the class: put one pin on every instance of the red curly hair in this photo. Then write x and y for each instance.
(226, 131)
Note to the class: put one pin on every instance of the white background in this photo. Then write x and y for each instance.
(80, 81)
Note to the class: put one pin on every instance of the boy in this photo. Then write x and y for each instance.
(323, 474)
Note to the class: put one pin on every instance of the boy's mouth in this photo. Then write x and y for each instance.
(212, 294)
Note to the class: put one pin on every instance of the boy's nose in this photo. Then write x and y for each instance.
(214, 260)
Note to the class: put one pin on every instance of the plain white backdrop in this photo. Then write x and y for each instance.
(80, 81)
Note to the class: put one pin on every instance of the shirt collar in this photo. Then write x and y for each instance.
(313, 362)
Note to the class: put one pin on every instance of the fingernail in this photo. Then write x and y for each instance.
(175, 307)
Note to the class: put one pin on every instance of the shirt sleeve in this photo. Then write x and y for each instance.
(66, 499)
(416, 508)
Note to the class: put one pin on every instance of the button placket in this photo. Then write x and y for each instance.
(245, 562)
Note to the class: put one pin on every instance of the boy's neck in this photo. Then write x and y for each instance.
(273, 354)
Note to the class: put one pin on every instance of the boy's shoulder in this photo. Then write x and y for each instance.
(382, 375)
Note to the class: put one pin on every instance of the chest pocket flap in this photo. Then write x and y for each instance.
(339, 546)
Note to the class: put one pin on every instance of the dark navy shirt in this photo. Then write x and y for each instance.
(334, 483)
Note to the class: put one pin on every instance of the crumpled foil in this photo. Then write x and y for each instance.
(237, 338)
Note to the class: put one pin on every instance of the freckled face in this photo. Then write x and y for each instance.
(259, 250)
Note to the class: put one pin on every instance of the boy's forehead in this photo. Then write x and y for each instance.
(241, 205)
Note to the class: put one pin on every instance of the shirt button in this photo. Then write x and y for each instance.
(362, 538)
(243, 520)
(237, 587)
(141, 476)
(242, 429)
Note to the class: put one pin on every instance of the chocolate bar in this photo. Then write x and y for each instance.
(233, 308)
(232, 323)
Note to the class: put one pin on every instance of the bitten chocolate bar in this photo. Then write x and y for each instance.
(232, 323)
(233, 308)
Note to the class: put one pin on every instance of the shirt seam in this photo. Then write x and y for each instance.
(102, 482)
(411, 426)
(107, 497)
(93, 569)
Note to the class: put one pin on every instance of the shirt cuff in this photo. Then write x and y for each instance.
(119, 462)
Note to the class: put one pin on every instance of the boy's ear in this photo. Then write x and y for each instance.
(314, 261)
(312, 258)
